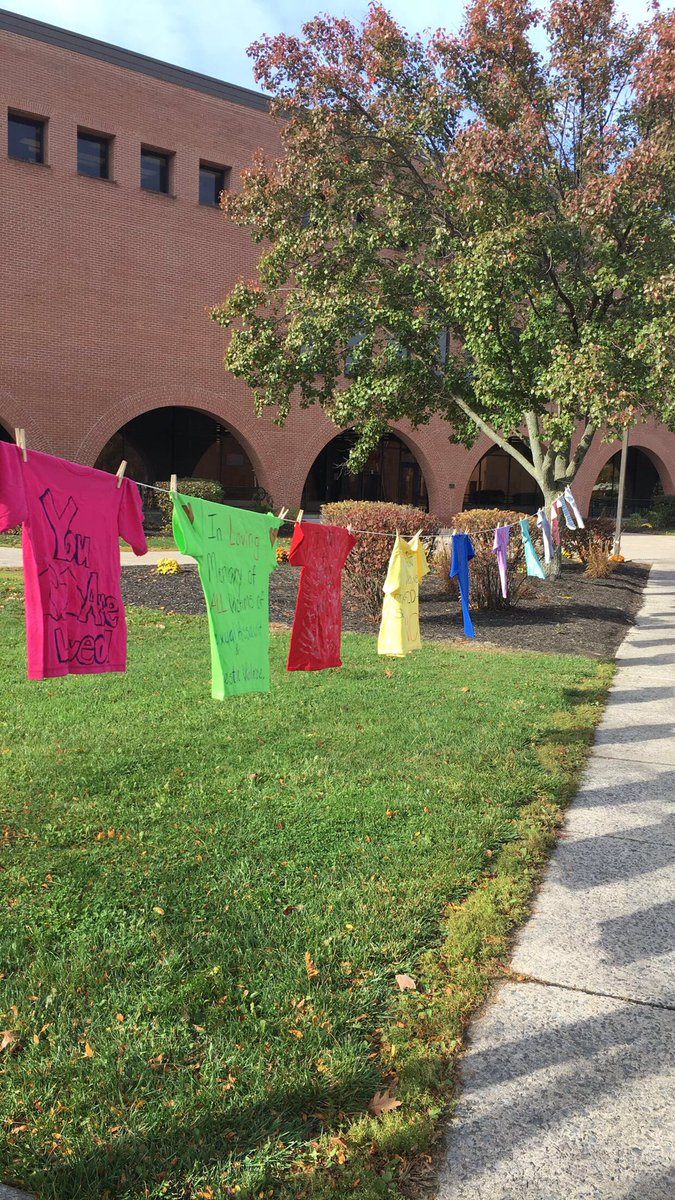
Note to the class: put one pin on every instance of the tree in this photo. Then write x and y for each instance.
(466, 226)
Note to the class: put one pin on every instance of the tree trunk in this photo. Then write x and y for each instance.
(554, 568)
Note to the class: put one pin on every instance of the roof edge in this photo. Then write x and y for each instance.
(64, 39)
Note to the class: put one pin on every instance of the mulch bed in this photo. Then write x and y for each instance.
(574, 615)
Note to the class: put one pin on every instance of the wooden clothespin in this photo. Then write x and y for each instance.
(282, 514)
(298, 519)
(120, 472)
(173, 483)
(20, 439)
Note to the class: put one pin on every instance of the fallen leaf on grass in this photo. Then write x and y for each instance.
(383, 1102)
(88, 1052)
(8, 1037)
(406, 983)
(388, 674)
(297, 1033)
(158, 910)
(310, 966)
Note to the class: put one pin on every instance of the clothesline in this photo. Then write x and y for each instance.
(74, 604)
(363, 532)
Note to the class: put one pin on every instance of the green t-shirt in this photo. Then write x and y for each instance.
(236, 558)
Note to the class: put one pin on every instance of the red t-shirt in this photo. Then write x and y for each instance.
(321, 551)
(72, 518)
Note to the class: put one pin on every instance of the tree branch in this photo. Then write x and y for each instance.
(580, 453)
(563, 295)
(532, 422)
(497, 438)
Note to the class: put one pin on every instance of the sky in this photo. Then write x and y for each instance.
(212, 37)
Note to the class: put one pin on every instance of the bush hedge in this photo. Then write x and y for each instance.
(597, 536)
(662, 514)
(486, 589)
(204, 489)
(366, 568)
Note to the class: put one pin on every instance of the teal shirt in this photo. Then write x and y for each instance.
(532, 560)
(235, 556)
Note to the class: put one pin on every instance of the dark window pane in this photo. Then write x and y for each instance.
(26, 138)
(211, 184)
(154, 171)
(92, 155)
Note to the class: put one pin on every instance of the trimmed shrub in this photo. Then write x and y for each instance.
(203, 489)
(662, 513)
(486, 588)
(366, 568)
(598, 534)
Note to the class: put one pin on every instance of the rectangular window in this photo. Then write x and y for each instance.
(212, 181)
(155, 170)
(26, 138)
(93, 155)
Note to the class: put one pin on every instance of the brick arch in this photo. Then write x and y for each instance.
(123, 411)
(326, 433)
(655, 441)
(470, 461)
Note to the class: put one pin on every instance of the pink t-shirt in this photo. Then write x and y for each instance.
(72, 518)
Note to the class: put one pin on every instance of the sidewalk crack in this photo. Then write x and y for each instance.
(519, 977)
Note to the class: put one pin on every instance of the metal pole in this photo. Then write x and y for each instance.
(622, 487)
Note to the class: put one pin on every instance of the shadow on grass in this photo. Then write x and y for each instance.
(130, 1163)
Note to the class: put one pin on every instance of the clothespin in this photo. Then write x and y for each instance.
(173, 483)
(349, 527)
(283, 512)
(418, 534)
(120, 472)
(298, 519)
(20, 439)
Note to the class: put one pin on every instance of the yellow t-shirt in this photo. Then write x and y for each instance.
(400, 626)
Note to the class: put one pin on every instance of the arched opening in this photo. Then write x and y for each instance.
(391, 473)
(643, 482)
(184, 442)
(498, 481)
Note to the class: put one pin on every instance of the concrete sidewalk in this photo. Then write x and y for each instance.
(10, 556)
(569, 1081)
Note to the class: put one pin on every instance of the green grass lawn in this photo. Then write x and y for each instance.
(205, 905)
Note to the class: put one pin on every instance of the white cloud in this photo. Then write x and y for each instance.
(213, 38)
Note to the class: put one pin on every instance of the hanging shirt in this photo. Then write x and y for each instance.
(569, 520)
(462, 553)
(236, 557)
(546, 534)
(532, 562)
(321, 551)
(575, 508)
(501, 548)
(555, 524)
(73, 518)
(400, 625)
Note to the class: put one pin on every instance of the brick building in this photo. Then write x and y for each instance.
(113, 248)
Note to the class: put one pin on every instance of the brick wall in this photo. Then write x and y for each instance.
(105, 286)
